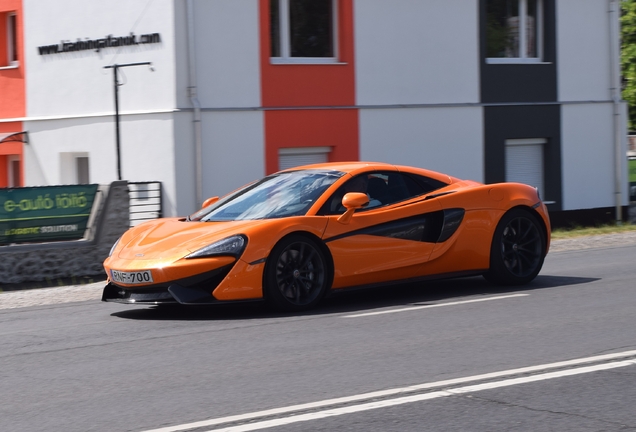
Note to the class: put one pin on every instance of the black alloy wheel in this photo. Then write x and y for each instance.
(518, 249)
(296, 274)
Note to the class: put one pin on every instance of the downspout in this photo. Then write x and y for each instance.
(615, 71)
(194, 99)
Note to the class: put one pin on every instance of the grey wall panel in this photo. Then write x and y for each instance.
(513, 122)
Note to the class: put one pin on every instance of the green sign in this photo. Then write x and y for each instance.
(43, 214)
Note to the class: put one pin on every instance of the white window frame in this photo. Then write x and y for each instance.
(285, 43)
(523, 16)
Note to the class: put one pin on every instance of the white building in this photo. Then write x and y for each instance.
(468, 87)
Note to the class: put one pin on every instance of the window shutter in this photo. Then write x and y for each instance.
(293, 157)
(524, 162)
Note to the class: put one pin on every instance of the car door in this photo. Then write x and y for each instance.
(389, 239)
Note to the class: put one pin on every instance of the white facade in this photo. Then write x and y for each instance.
(428, 137)
(406, 54)
(75, 83)
(585, 67)
(583, 50)
(70, 96)
(227, 53)
(419, 86)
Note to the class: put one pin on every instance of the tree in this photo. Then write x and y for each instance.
(628, 58)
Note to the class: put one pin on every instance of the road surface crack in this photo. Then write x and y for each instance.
(622, 426)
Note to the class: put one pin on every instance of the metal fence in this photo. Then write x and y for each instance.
(145, 201)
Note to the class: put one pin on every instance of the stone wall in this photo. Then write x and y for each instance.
(78, 258)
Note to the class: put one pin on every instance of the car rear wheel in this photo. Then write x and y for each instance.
(296, 275)
(518, 249)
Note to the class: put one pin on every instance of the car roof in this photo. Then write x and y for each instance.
(355, 167)
(344, 166)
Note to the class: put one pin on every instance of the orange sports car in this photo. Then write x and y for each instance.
(294, 235)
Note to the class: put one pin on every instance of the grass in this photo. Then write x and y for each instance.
(577, 231)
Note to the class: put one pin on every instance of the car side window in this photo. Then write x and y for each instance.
(382, 187)
(427, 183)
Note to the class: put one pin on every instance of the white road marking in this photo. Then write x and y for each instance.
(419, 387)
(418, 398)
(412, 308)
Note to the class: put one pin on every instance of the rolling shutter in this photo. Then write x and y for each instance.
(293, 157)
(524, 162)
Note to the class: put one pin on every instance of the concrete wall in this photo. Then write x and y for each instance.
(49, 261)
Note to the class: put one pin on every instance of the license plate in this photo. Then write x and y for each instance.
(138, 277)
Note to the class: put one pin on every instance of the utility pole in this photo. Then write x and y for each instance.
(116, 84)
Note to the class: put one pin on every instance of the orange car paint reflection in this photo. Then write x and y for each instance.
(245, 282)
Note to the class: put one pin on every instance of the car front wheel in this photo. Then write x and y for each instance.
(296, 275)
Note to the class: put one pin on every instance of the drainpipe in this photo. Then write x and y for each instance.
(615, 71)
(194, 99)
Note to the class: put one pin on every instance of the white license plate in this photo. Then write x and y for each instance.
(138, 277)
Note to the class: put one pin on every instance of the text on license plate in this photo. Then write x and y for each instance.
(138, 277)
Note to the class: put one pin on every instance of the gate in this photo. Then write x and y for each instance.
(145, 201)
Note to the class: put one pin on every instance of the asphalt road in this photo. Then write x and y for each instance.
(451, 355)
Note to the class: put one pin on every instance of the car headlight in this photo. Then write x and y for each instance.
(112, 249)
(232, 246)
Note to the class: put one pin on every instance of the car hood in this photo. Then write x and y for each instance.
(175, 238)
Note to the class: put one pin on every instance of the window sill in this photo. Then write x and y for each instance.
(516, 61)
(304, 61)
(11, 66)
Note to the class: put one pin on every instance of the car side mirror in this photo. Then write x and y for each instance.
(210, 201)
(352, 201)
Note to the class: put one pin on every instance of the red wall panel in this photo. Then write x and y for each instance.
(337, 129)
(324, 93)
(12, 87)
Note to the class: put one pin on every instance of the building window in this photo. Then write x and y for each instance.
(75, 168)
(12, 37)
(524, 162)
(303, 31)
(8, 40)
(14, 171)
(293, 157)
(81, 164)
(514, 31)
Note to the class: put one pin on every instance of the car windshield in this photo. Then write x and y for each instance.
(279, 195)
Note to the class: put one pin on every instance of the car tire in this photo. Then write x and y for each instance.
(518, 249)
(296, 274)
